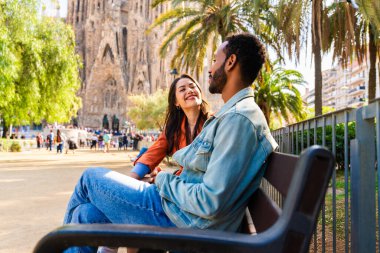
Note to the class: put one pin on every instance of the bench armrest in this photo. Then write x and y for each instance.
(149, 237)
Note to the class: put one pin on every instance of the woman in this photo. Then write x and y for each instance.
(186, 113)
(103, 196)
(59, 141)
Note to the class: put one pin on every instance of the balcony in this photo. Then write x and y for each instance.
(357, 90)
(329, 88)
(356, 101)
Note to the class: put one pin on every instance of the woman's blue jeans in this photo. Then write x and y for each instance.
(104, 196)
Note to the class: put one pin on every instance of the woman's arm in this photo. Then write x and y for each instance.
(151, 158)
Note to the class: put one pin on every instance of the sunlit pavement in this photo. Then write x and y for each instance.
(35, 187)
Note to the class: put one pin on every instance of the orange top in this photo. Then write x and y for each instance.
(157, 152)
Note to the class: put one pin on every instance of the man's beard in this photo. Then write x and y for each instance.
(218, 80)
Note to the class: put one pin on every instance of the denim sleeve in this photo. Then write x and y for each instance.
(141, 169)
(230, 171)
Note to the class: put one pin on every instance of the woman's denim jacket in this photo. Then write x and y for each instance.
(222, 168)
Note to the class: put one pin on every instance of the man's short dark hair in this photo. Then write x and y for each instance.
(250, 54)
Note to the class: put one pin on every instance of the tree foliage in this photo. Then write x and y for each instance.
(276, 92)
(38, 66)
(148, 111)
(194, 26)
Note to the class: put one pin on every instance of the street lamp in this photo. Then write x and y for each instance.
(174, 72)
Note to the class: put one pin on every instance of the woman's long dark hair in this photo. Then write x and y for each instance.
(174, 117)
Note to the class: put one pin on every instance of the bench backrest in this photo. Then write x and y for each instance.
(294, 188)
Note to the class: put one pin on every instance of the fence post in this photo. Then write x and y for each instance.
(363, 209)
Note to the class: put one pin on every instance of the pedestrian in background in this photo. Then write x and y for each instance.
(59, 142)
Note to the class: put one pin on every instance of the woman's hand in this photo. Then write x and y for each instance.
(152, 176)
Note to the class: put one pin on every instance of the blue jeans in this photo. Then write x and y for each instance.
(104, 196)
(59, 148)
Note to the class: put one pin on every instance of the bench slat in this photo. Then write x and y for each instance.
(280, 171)
(263, 210)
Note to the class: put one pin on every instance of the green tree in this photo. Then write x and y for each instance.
(370, 12)
(345, 28)
(276, 92)
(40, 66)
(195, 25)
(148, 111)
(310, 111)
(332, 27)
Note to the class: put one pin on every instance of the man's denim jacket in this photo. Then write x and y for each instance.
(223, 166)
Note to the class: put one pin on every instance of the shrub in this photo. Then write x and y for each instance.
(15, 147)
(339, 140)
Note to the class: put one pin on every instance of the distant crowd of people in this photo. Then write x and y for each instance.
(104, 140)
(96, 140)
(58, 140)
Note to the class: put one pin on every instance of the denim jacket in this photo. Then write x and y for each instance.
(223, 166)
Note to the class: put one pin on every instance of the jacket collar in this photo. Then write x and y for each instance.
(244, 93)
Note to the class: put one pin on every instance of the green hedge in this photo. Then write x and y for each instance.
(339, 141)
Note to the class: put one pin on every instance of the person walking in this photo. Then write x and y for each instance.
(59, 141)
(125, 141)
(94, 141)
(39, 140)
(107, 141)
(50, 139)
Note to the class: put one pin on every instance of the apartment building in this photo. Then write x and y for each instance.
(342, 87)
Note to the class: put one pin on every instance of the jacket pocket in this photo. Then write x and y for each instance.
(202, 156)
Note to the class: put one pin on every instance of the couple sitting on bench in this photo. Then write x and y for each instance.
(222, 169)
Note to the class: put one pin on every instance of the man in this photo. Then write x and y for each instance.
(221, 168)
(50, 138)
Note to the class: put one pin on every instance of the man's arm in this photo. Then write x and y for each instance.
(234, 144)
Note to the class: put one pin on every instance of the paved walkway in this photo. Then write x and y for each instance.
(35, 187)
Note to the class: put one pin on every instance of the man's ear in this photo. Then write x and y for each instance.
(231, 62)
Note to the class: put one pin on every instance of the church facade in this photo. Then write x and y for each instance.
(119, 57)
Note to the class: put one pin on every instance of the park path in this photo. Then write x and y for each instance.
(35, 187)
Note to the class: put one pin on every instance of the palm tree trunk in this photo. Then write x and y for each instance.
(266, 110)
(317, 40)
(372, 64)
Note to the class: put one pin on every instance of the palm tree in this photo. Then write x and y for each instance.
(292, 32)
(195, 25)
(334, 27)
(316, 31)
(370, 12)
(276, 92)
(352, 32)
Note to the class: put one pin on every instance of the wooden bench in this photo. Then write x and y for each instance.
(282, 214)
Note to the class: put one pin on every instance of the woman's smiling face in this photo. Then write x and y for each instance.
(187, 94)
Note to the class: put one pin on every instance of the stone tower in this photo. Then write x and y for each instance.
(119, 58)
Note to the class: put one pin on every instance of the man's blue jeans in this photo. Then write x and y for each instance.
(104, 196)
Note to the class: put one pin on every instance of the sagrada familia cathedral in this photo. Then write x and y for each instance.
(119, 57)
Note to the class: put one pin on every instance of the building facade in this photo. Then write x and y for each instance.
(343, 88)
(119, 57)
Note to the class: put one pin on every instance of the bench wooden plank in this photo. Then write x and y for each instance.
(280, 171)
